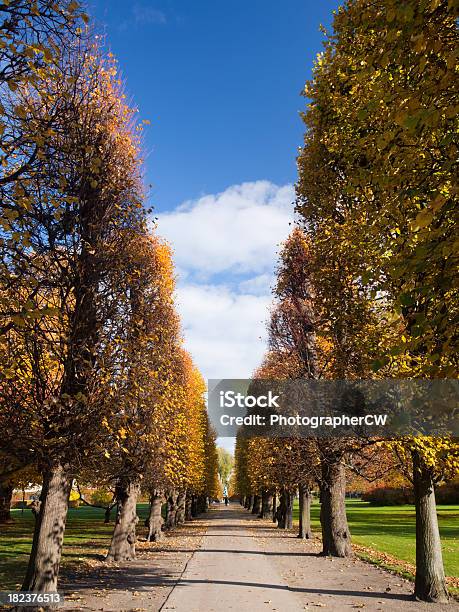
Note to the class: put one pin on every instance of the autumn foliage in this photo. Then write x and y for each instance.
(95, 385)
(377, 202)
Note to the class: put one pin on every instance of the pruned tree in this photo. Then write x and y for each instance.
(62, 241)
(375, 189)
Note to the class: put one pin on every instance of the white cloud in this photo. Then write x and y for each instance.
(234, 232)
(225, 249)
(224, 330)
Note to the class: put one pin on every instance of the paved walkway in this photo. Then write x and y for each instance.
(231, 572)
(230, 560)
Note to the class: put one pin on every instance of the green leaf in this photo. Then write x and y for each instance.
(406, 299)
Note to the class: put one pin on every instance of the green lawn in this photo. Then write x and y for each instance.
(86, 537)
(391, 530)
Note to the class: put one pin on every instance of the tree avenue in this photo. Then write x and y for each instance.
(377, 202)
(97, 390)
(95, 383)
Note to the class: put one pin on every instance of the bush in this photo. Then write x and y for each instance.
(448, 494)
(387, 496)
(101, 497)
(20, 504)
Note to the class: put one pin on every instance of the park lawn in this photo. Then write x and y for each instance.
(86, 538)
(391, 530)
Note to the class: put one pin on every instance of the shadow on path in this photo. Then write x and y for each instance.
(245, 552)
(184, 582)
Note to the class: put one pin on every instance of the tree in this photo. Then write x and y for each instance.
(63, 237)
(293, 343)
(375, 190)
(211, 488)
(304, 327)
(225, 465)
(146, 359)
(270, 465)
(241, 476)
(427, 462)
(32, 36)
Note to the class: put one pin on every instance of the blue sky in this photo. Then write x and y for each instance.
(220, 83)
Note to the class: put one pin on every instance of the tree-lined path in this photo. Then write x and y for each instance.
(102, 398)
(229, 560)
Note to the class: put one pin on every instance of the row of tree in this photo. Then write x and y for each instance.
(95, 383)
(367, 285)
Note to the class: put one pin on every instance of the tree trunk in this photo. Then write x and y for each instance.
(180, 513)
(202, 504)
(171, 509)
(155, 519)
(251, 502)
(107, 514)
(188, 507)
(289, 510)
(194, 506)
(305, 532)
(122, 546)
(430, 583)
(43, 569)
(336, 538)
(266, 504)
(256, 508)
(274, 507)
(262, 503)
(282, 510)
(6, 494)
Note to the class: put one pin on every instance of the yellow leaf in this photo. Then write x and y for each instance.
(423, 219)
(437, 202)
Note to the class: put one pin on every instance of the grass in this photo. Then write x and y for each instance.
(86, 537)
(391, 530)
